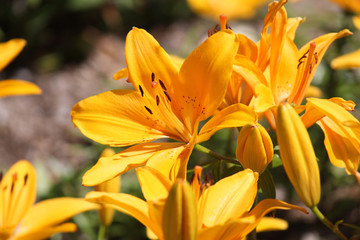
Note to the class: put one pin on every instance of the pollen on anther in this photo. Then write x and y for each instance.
(162, 85)
(26, 178)
(152, 77)
(157, 100)
(148, 109)
(141, 90)
(167, 95)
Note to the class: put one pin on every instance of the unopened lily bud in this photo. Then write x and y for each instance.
(297, 155)
(180, 214)
(254, 147)
(113, 185)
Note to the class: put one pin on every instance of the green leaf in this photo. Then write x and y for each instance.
(276, 161)
(267, 185)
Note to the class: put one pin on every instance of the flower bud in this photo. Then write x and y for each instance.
(180, 214)
(297, 155)
(113, 185)
(254, 147)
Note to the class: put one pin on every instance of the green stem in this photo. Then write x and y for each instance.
(214, 154)
(103, 232)
(327, 223)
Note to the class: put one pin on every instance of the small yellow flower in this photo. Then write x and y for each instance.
(254, 136)
(113, 185)
(8, 51)
(222, 209)
(21, 219)
(297, 155)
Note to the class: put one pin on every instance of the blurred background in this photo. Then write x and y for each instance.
(75, 46)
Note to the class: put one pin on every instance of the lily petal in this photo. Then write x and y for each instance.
(271, 224)
(153, 184)
(9, 50)
(229, 198)
(17, 194)
(128, 204)
(153, 73)
(104, 120)
(342, 151)
(239, 228)
(47, 232)
(204, 78)
(12, 87)
(350, 60)
(49, 213)
(236, 115)
(109, 167)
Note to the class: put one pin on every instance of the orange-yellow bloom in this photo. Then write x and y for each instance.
(20, 219)
(222, 209)
(168, 102)
(297, 155)
(8, 51)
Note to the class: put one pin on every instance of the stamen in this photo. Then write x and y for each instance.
(167, 95)
(157, 100)
(223, 24)
(148, 109)
(162, 85)
(141, 90)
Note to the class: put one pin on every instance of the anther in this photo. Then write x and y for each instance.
(157, 100)
(300, 62)
(148, 109)
(25, 179)
(141, 90)
(167, 95)
(152, 77)
(1, 176)
(162, 85)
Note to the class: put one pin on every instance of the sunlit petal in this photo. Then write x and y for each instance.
(127, 204)
(153, 184)
(12, 87)
(9, 50)
(350, 60)
(271, 224)
(46, 232)
(229, 198)
(117, 118)
(204, 77)
(236, 115)
(49, 213)
(109, 167)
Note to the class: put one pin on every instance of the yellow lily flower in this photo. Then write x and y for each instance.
(282, 72)
(225, 217)
(21, 219)
(342, 139)
(297, 155)
(8, 51)
(231, 8)
(112, 185)
(168, 102)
